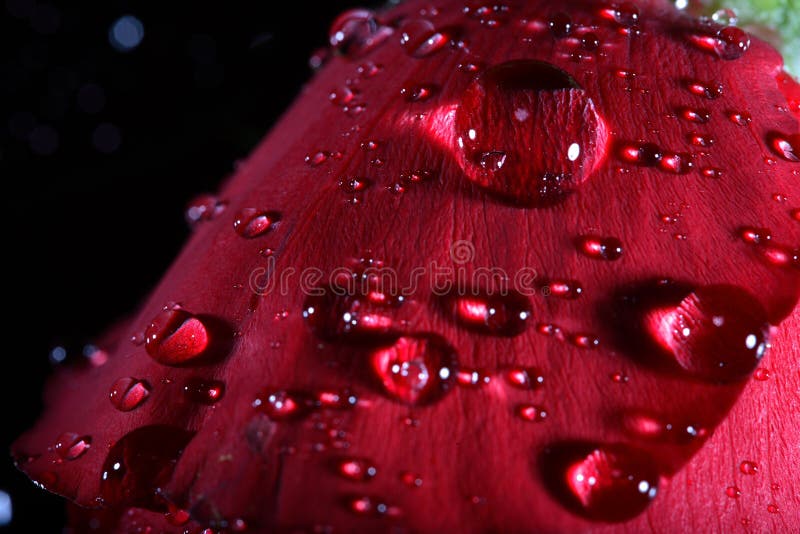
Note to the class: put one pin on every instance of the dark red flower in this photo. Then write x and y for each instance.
(502, 267)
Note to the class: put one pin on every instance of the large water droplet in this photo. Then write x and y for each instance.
(71, 446)
(415, 369)
(606, 483)
(717, 333)
(357, 32)
(128, 393)
(251, 222)
(175, 336)
(501, 314)
(732, 43)
(561, 25)
(141, 462)
(504, 125)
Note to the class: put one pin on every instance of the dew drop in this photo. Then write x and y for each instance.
(281, 405)
(420, 38)
(717, 333)
(129, 393)
(786, 146)
(203, 208)
(356, 469)
(761, 374)
(561, 25)
(748, 468)
(415, 369)
(353, 188)
(360, 312)
(755, 235)
(600, 248)
(627, 15)
(701, 140)
(410, 479)
(472, 378)
(251, 222)
(711, 91)
(531, 413)
(733, 492)
(71, 446)
(610, 483)
(590, 42)
(417, 92)
(526, 378)
(584, 341)
(645, 154)
(742, 118)
(204, 391)
(513, 155)
(176, 516)
(141, 462)
(175, 336)
(773, 508)
(565, 289)
(732, 43)
(357, 32)
(676, 163)
(712, 172)
(700, 116)
(495, 314)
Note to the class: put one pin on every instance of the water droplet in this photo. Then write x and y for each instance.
(773, 508)
(711, 91)
(584, 341)
(281, 405)
(71, 446)
(717, 333)
(645, 154)
(755, 235)
(410, 178)
(357, 32)
(369, 69)
(565, 289)
(531, 413)
(356, 469)
(176, 516)
(786, 146)
(494, 314)
(472, 378)
(203, 208)
(733, 492)
(609, 483)
(415, 369)
(620, 378)
(627, 15)
(600, 248)
(141, 462)
(732, 43)
(356, 312)
(590, 42)
(700, 116)
(420, 38)
(761, 374)
(742, 118)
(676, 163)
(703, 140)
(561, 25)
(129, 393)
(317, 158)
(524, 378)
(175, 336)
(412, 480)
(203, 391)
(550, 330)
(514, 156)
(341, 96)
(417, 92)
(725, 17)
(251, 222)
(354, 187)
(748, 468)
(712, 172)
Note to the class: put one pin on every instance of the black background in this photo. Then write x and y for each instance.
(89, 227)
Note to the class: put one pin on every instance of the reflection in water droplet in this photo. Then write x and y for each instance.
(748, 468)
(357, 32)
(494, 314)
(71, 446)
(415, 369)
(203, 391)
(203, 208)
(420, 38)
(600, 248)
(250, 222)
(128, 393)
(280, 404)
(524, 378)
(786, 146)
(175, 336)
(531, 413)
(733, 492)
(503, 125)
(356, 469)
(732, 43)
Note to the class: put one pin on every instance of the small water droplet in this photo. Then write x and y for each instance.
(732, 43)
(584, 341)
(203, 208)
(204, 391)
(645, 154)
(590, 42)
(619, 378)
(786, 146)
(531, 413)
(742, 118)
(565, 289)
(725, 17)
(524, 378)
(600, 248)
(496, 314)
(420, 38)
(417, 92)
(354, 187)
(176, 516)
(71, 446)
(761, 374)
(251, 222)
(472, 378)
(627, 15)
(676, 163)
(702, 140)
(128, 393)
(356, 469)
(748, 468)
(415, 369)
(412, 480)
(711, 91)
(175, 336)
(773, 508)
(712, 172)
(280, 404)
(755, 235)
(733, 492)
(700, 116)
(357, 32)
